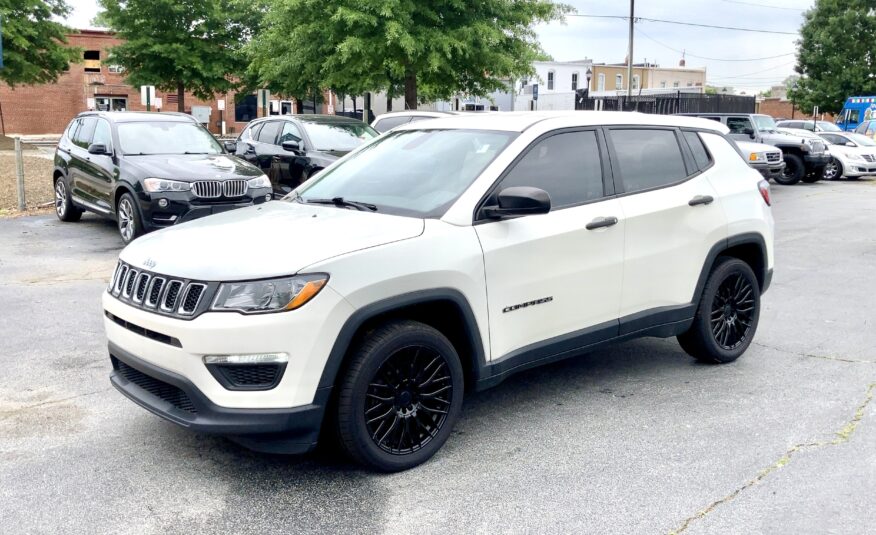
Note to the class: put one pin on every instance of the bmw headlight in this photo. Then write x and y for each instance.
(271, 295)
(155, 185)
(259, 182)
(757, 157)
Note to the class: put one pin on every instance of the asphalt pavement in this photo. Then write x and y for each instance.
(638, 438)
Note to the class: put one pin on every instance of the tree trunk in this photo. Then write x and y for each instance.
(388, 102)
(410, 90)
(180, 97)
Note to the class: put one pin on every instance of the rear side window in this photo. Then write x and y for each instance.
(268, 133)
(390, 122)
(566, 165)
(85, 132)
(71, 130)
(700, 154)
(647, 158)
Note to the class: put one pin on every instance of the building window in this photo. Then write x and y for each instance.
(115, 69)
(600, 84)
(245, 108)
(550, 80)
(91, 60)
(111, 103)
(619, 81)
(674, 84)
(635, 82)
(574, 81)
(690, 84)
(663, 84)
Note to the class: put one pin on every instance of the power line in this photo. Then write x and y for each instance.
(768, 6)
(686, 53)
(681, 23)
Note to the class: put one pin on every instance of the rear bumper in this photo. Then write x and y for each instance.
(175, 398)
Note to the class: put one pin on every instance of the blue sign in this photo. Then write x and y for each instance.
(534, 91)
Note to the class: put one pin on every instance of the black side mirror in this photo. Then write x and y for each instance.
(519, 201)
(97, 148)
(749, 132)
(230, 146)
(291, 146)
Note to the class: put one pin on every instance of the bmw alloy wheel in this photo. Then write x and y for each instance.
(60, 197)
(126, 220)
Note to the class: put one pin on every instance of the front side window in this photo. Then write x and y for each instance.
(165, 137)
(414, 173)
(764, 123)
(290, 132)
(567, 166)
(85, 132)
(648, 158)
(103, 135)
(738, 125)
(863, 141)
(268, 133)
(338, 136)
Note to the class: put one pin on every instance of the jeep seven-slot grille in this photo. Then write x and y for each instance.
(157, 388)
(213, 189)
(159, 293)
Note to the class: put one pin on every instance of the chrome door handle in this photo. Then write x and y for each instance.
(602, 222)
(701, 199)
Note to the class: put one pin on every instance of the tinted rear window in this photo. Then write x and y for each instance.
(389, 123)
(700, 154)
(648, 158)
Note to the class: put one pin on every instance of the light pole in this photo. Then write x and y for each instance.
(630, 52)
(589, 76)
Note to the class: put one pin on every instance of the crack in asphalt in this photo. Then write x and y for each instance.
(840, 437)
(812, 356)
(8, 413)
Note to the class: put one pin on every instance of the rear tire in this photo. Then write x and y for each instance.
(400, 396)
(727, 314)
(64, 207)
(793, 172)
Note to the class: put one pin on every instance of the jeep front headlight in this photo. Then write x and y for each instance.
(270, 295)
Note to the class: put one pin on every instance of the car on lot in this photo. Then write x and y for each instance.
(804, 157)
(290, 149)
(812, 126)
(854, 155)
(766, 159)
(387, 121)
(148, 171)
(441, 258)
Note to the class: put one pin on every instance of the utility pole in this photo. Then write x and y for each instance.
(630, 53)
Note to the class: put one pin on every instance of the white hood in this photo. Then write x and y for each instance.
(269, 240)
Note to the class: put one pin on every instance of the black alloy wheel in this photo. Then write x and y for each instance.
(727, 314)
(399, 396)
(793, 171)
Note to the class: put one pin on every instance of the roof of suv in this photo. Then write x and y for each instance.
(311, 118)
(520, 121)
(138, 116)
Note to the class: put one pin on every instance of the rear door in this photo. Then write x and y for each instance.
(551, 281)
(673, 218)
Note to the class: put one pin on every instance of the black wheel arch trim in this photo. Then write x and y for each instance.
(748, 238)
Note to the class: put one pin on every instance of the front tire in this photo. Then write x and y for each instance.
(793, 171)
(128, 218)
(833, 170)
(400, 396)
(727, 314)
(64, 202)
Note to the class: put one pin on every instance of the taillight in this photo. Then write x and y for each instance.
(764, 188)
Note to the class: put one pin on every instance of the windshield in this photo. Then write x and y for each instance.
(417, 173)
(862, 140)
(166, 137)
(828, 127)
(341, 137)
(764, 122)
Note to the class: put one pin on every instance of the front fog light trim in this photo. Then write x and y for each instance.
(255, 358)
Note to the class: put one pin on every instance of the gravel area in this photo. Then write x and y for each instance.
(37, 182)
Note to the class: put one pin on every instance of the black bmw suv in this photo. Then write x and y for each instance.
(148, 171)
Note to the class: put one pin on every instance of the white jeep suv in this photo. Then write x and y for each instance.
(437, 260)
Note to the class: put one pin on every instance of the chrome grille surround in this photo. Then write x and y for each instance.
(159, 294)
(214, 189)
(869, 157)
(774, 157)
(817, 146)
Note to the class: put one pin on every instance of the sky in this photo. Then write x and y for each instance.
(605, 39)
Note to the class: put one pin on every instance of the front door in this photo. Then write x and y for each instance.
(553, 284)
(287, 167)
(80, 182)
(99, 170)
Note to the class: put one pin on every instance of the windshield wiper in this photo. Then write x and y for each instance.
(340, 201)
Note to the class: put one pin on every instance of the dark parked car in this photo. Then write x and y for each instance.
(148, 171)
(292, 148)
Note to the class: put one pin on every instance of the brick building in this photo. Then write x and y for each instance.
(94, 83)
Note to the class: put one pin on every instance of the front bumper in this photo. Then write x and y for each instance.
(175, 398)
(183, 206)
(816, 160)
(770, 170)
(856, 168)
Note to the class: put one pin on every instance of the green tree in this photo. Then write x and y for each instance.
(430, 48)
(835, 54)
(34, 45)
(179, 45)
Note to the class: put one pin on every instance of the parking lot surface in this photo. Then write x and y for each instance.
(638, 438)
